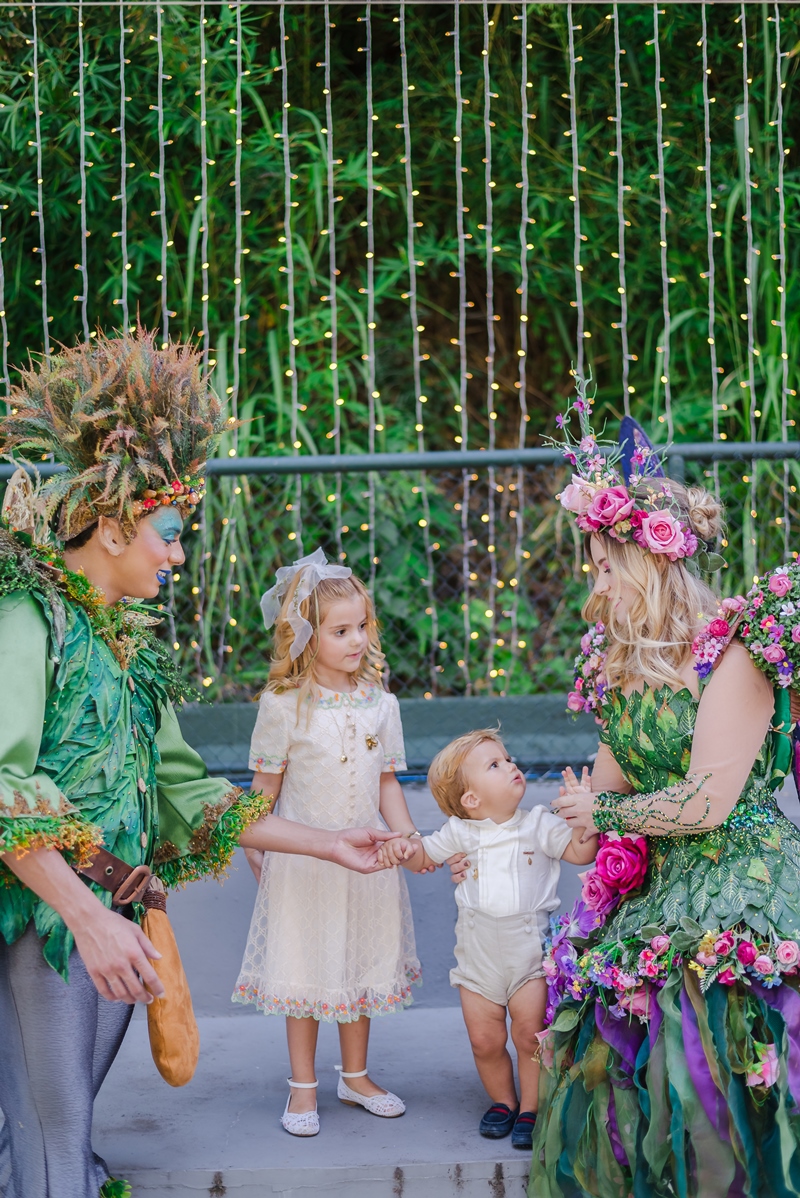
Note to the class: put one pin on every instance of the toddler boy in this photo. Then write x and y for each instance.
(504, 904)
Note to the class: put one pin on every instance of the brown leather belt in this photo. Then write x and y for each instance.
(126, 882)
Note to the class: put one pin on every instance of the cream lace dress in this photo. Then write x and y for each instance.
(324, 941)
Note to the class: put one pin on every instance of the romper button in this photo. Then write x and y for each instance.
(528, 930)
(471, 923)
(141, 785)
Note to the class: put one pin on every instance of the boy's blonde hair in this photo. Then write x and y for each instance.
(446, 775)
(299, 675)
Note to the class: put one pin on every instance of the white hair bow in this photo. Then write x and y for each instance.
(314, 567)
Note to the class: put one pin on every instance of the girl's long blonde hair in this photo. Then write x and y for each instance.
(653, 640)
(300, 675)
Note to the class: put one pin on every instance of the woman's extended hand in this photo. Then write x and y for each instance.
(458, 867)
(358, 849)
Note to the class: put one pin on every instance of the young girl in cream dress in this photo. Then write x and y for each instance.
(327, 944)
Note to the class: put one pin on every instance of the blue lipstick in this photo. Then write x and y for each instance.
(162, 576)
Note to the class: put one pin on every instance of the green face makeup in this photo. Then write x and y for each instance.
(167, 523)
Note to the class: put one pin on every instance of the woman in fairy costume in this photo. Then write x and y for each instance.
(94, 773)
(672, 1063)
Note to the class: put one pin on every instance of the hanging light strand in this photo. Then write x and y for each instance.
(662, 226)
(372, 394)
(82, 153)
(123, 174)
(622, 286)
(204, 263)
(291, 303)
(712, 343)
(3, 322)
(336, 433)
(576, 197)
(490, 340)
(415, 354)
(748, 283)
(522, 380)
(462, 344)
(162, 188)
(238, 318)
(39, 188)
(785, 426)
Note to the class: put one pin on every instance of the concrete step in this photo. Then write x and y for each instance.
(221, 1135)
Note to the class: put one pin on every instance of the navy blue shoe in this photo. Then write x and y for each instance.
(522, 1135)
(498, 1121)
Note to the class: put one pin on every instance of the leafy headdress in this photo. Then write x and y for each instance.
(133, 425)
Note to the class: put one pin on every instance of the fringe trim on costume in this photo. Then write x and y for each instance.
(214, 843)
(345, 1012)
(21, 835)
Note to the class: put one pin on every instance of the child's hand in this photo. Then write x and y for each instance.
(396, 851)
(255, 859)
(575, 799)
(571, 784)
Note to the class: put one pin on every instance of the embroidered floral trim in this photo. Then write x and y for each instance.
(345, 1012)
(365, 696)
(392, 763)
(268, 765)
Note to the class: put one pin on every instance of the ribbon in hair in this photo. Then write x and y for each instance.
(313, 569)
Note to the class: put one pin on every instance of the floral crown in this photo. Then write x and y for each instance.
(608, 499)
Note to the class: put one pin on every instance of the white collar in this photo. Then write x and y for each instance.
(490, 824)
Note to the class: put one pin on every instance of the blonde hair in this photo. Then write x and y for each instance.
(446, 774)
(285, 674)
(653, 640)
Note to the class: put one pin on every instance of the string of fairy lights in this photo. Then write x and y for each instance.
(416, 328)
(785, 392)
(666, 348)
(711, 267)
(622, 286)
(484, 250)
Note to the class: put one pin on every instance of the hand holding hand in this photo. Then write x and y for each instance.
(395, 852)
(117, 956)
(359, 849)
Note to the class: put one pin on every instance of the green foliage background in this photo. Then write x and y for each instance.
(258, 526)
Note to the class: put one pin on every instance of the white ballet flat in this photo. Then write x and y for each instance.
(305, 1123)
(387, 1106)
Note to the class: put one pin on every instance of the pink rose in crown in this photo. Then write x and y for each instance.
(788, 953)
(660, 944)
(724, 944)
(718, 628)
(596, 894)
(662, 533)
(727, 977)
(574, 701)
(622, 864)
(780, 585)
(796, 634)
(576, 496)
(747, 952)
(608, 507)
(774, 654)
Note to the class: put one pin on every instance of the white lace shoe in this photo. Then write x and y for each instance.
(305, 1123)
(387, 1105)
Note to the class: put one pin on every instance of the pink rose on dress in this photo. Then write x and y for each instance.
(576, 496)
(661, 533)
(648, 964)
(763, 964)
(622, 864)
(574, 701)
(718, 628)
(796, 634)
(707, 959)
(780, 585)
(787, 953)
(547, 1054)
(597, 895)
(747, 952)
(637, 1001)
(608, 507)
(724, 944)
(766, 1071)
(732, 606)
(774, 654)
(727, 977)
(660, 944)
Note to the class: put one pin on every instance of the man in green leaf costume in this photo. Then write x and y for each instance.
(94, 773)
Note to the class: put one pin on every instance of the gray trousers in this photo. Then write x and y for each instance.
(57, 1043)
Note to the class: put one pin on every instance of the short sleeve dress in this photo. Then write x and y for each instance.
(324, 941)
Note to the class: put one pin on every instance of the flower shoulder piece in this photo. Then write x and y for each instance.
(589, 687)
(712, 640)
(771, 625)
